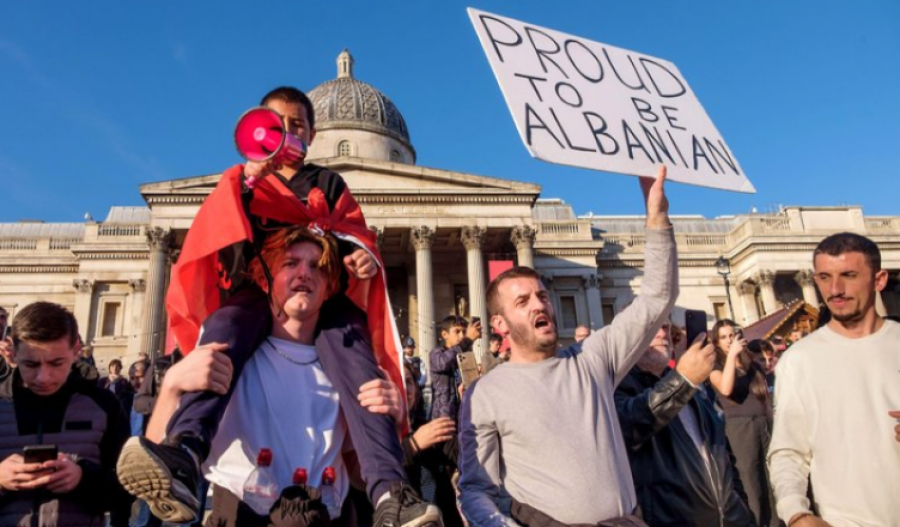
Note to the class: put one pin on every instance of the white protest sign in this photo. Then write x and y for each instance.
(586, 104)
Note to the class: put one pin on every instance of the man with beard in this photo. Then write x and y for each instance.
(835, 390)
(542, 429)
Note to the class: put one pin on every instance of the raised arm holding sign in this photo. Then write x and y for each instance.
(586, 104)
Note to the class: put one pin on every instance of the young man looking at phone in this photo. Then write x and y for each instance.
(43, 403)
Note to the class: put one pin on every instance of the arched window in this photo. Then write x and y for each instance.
(396, 157)
(345, 148)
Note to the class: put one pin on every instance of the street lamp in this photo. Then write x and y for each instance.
(723, 267)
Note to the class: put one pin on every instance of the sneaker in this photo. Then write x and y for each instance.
(403, 508)
(164, 476)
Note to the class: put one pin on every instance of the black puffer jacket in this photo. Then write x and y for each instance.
(81, 420)
(673, 486)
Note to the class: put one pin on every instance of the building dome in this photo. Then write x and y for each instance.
(347, 105)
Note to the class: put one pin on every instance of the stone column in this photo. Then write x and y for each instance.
(595, 308)
(422, 239)
(523, 238)
(805, 279)
(472, 238)
(748, 301)
(766, 281)
(160, 241)
(138, 289)
(84, 295)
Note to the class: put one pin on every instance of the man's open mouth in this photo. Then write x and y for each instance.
(541, 321)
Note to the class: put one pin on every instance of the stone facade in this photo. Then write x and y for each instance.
(438, 232)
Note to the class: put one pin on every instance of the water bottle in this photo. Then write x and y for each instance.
(330, 496)
(260, 489)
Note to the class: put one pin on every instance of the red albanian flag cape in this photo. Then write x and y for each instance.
(194, 289)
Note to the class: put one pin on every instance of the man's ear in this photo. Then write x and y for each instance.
(498, 323)
(881, 280)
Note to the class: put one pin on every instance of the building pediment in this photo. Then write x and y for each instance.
(368, 177)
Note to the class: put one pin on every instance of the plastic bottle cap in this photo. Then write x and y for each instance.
(328, 476)
(264, 459)
(300, 476)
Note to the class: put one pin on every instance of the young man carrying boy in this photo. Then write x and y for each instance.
(230, 230)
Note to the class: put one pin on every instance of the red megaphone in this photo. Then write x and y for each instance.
(260, 136)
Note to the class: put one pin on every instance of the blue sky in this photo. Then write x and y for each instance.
(98, 97)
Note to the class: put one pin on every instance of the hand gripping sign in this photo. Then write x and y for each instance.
(586, 104)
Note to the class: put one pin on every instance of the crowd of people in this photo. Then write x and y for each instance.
(296, 404)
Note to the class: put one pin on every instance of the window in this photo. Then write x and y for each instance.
(396, 157)
(110, 319)
(345, 149)
(568, 311)
(609, 313)
(719, 310)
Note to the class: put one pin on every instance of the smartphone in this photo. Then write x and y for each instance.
(694, 324)
(468, 367)
(39, 453)
(475, 320)
(6, 331)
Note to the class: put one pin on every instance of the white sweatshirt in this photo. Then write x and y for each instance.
(832, 398)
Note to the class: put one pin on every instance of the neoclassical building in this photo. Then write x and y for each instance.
(440, 232)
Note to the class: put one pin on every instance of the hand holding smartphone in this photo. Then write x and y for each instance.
(694, 325)
(40, 453)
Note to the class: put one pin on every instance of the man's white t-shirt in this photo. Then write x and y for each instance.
(284, 402)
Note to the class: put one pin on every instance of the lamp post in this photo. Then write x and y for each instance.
(723, 267)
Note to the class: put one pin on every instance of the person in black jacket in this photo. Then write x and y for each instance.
(681, 462)
(44, 401)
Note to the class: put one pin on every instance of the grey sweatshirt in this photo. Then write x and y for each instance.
(547, 433)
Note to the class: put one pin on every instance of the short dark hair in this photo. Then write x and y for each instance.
(493, 294)
(848, 242)
(452, 321)
(760, 346)
(496, 338)
(44, 322)
(292, 95)
(114, 362)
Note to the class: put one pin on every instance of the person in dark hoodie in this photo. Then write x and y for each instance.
(45, 402)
